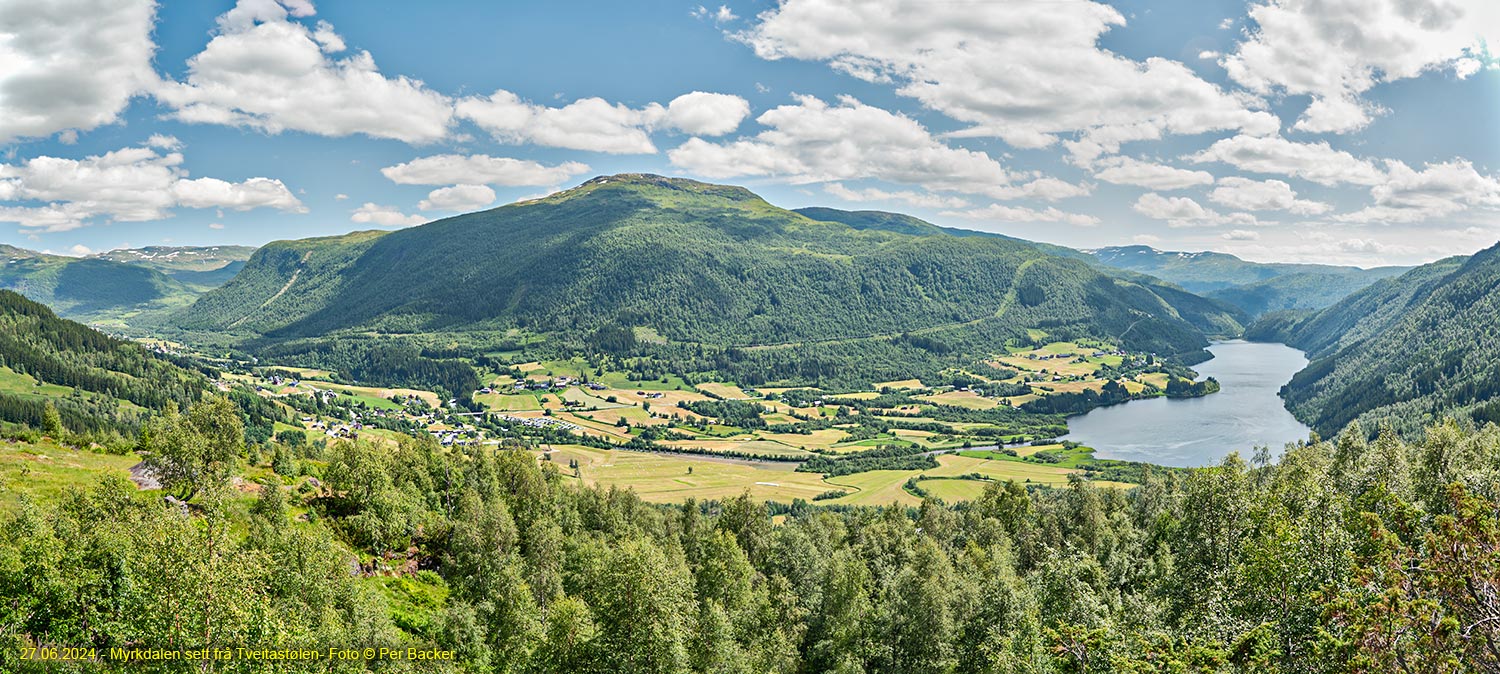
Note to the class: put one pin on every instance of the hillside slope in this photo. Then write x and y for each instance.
(95, 381)
(697, 264)
(199, 267)
(1404, 351)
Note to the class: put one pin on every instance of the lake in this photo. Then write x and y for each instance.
(1193, 432)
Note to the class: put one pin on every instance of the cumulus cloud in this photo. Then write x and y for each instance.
(592, 124)
(476, 169)
(1241, 235)
(922, 199)
(458, 198)
(1129, 171)
(1336, 51)
(1024, 72)
(266, 71)
(1437, 190)
(705, 114)
(385, 216)
(812, 141)
(1263, 195)
(596, 125)
(1316, 162)
(127, 185)
(1184, 212)
(1002, 213)
(71, 64)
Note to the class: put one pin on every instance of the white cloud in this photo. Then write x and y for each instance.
(252, 193)
(164, 142)
(1208, 55)
(340, 197)
(127, 185)
(705, 114)
(1129, 171)
(385, 216)
(80, 250)
(596, 125)
(1184, 212)
(265, 71)
(71, 64)
(1001, 213)
(1436, 191)
(1024, 72)
(1263, 195)
(1361, 246)
(1336, 51)
(1241, 235)
(1146, 239)
(1316, 162)
(455, 169)
(458, 198)
(812, 142)
(591, 124)
(216, 225)
(922, 199)
(720, 16)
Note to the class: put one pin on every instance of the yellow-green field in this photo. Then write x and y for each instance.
(663, 478)
(965, 399)
(45, 472)
(726, 391)
(502, 402)
(899, 384)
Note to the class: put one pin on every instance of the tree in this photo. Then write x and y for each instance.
(51, 421)
(193, 452)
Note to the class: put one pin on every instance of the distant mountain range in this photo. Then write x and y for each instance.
(121, 285)
(1255, 287)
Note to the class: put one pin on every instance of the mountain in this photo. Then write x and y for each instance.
(199, 266)
(121, 288)
(94, 381)
(1405, 351)
(695, 264)
(1255, 287)
(88, 287)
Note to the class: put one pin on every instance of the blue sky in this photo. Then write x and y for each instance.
(1359, 133)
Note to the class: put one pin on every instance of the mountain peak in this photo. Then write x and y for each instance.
(653, 183)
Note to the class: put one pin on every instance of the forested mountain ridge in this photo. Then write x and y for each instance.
(1405, 351)
(113, 381)
(1254, 287)
(697, 264)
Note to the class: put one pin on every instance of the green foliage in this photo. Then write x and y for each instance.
(709, 268)
(59, 352)
(194, 452)
(1343, 556)
(1403, 352)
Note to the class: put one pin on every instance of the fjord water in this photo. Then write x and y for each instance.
(1189, 432)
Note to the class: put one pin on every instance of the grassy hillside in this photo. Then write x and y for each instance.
(695, 264)
(1404, 351)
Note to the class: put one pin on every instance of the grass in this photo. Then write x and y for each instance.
(589, 400)
(725, 391)
(746, 445)
(45, 472)
(964, 399)
(900, 384)
(661, 478)
(882, 487)
(501, 402)
(824, 438)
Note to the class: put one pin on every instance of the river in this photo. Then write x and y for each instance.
(1193, 432)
